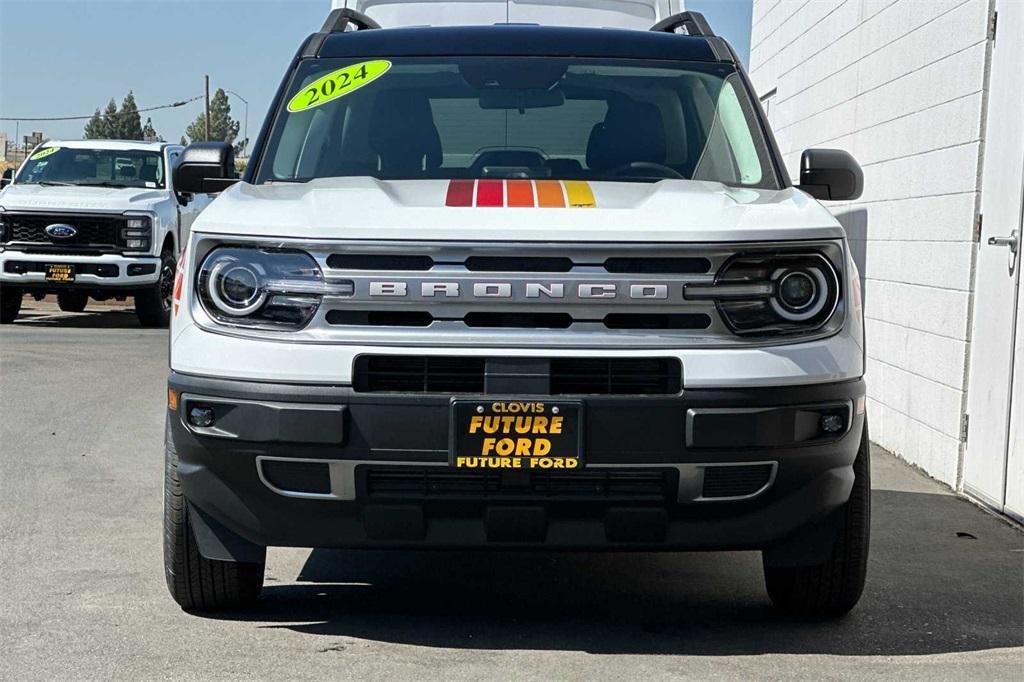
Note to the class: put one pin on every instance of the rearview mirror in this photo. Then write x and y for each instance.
(521, 99)
(831, 175)
(205, 168)
(8, 177)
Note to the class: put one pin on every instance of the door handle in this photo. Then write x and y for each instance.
(1012, 241)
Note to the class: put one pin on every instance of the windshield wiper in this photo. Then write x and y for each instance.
(54, 183)
(101, 184)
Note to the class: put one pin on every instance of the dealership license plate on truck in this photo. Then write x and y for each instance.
(60, 272)
(516, 434)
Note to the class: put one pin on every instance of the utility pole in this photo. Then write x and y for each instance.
(245, 135)
(207, 135)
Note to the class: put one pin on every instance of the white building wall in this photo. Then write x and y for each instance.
(899, 84)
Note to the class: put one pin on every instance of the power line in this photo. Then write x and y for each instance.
(83, 118)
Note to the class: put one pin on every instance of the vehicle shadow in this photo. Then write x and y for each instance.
(92, 318)
(929, 591)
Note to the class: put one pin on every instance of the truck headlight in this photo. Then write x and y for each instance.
(260, 288)
(777, 292)
(137, 234)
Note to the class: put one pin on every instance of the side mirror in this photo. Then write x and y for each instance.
(205, 168)
(831, 175)
(8, 177)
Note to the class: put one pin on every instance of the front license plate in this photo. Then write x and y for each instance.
(60, 272)
(516, 434)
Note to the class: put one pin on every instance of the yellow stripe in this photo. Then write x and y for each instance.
(579, 194)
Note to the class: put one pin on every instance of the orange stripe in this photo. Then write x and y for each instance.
(579, 193)
(549, 194)
(520, 193)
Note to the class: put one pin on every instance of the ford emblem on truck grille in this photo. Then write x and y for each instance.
(61, 231)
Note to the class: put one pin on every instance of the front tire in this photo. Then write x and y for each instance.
(832, 588)
(153, 305)
(10, 304)
(72, 301)
(195, 582)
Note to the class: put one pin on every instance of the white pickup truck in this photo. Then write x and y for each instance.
(94, 219)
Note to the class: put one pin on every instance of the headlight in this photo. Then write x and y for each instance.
(137, 234)
(776, 292)
(260, 288)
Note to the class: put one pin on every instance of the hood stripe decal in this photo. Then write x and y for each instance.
(460, 193)
(549, 194)
(520, 193)
(490, 193)
(579, 194)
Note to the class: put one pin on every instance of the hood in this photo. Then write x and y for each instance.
(99, 199)
(516, 210)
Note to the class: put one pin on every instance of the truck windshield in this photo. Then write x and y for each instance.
(93, 167)
(521, 117)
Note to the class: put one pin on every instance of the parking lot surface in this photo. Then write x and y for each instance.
(82, 588)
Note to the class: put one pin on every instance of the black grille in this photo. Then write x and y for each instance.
(648, 265)
(427, 483)
(735, 481)
(93, 230)
(357, 261)
(518, 264)
(411, 374)
(616, 376)
(567, 376)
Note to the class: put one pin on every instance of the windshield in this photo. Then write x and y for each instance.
(95, 167)
(520, 117)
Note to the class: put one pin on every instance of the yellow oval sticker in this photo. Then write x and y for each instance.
(338, 84)
(42, 154)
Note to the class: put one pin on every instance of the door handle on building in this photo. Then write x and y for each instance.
(1012, 241)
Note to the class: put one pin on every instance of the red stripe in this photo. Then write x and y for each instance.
(460, 193)
(490, 193)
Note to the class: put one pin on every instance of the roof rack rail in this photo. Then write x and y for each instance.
(339, 20)
(691, 23)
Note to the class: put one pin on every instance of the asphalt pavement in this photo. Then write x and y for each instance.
(82, 592)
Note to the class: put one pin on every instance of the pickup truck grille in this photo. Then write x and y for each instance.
(93, 231)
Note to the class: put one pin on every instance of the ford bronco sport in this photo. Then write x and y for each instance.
(94, 218)
(517, 286)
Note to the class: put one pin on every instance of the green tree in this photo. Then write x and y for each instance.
(222, 127)
(129, 124)
(96, 128)
(110, 127)
(149, 132)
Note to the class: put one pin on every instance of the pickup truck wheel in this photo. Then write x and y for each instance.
(153, 305)
(832, 588)
(195, 582)
(72, 301)
(10, 304)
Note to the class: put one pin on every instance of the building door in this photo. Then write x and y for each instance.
(994, 458)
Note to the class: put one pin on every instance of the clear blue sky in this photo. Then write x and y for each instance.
(66, 58)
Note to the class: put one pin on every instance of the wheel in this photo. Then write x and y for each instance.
(153, 305)
(195, 582)
(10, 304)
(72, 301)
(832, 588)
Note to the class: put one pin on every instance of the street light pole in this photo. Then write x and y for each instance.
(245, 134)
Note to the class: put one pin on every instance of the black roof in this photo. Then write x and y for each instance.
(517, 40)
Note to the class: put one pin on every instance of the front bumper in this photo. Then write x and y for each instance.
(102, 271)
(294, 465)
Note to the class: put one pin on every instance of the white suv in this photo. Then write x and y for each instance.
(517, 286)
(94, 218)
